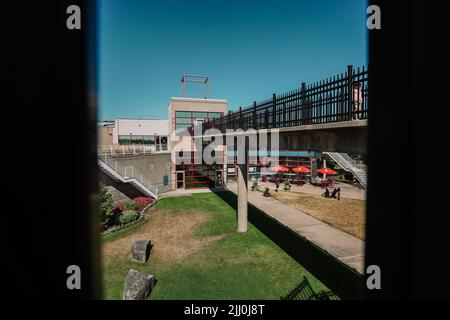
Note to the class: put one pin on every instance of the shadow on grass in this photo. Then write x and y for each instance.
(344, 281)
(304, 291)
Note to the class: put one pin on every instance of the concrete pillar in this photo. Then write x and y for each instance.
(225, 165)
(242, 215)
(313, 169)
(242, 198)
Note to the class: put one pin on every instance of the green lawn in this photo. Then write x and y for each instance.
(198, 255)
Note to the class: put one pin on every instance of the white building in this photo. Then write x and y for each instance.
(141, 131)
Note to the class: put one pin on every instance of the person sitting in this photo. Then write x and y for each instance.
(326, 194)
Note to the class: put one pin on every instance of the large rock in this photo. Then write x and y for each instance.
(138, 285)
(140, 250)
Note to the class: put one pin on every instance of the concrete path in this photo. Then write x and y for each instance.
(343, 246)
(182, 193)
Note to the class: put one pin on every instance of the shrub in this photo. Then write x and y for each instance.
(106, 210)
(128, 216)
(131, 205)
(120, 208)
(266, 192)
(287, 184)
(143, 202)
(255, 185)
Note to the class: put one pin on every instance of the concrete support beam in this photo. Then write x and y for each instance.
(242, 215)
(348, 137)
(314, 167)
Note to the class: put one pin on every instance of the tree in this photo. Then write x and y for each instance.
(106, 211)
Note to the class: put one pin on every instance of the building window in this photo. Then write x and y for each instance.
(200, 114)
(184, 119)
(183, 125)
(135, 139)
(151, 166)
(183, 114)
(199, 175)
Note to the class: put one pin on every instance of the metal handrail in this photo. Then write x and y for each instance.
(132, 149)
(359, 170)
(136, 176)
(353, 162)
(334, 99)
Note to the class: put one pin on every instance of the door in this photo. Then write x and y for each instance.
(180, 179)
(219, 178)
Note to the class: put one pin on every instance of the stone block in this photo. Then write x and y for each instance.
(138, 285)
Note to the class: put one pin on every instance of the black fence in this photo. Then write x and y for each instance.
(340, 98)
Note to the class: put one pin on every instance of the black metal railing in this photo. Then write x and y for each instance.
(340, 98)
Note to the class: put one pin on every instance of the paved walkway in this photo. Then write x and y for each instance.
(182, 193)
(345, 247)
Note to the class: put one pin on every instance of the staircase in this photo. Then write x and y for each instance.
(359, 170)
(126, 175)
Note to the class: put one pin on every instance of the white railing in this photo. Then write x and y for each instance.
(358, 169)
(127, 174)
(130, 149)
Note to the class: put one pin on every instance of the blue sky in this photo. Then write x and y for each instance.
(250, 49)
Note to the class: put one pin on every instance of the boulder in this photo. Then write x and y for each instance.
(138, 285)
(140, 250)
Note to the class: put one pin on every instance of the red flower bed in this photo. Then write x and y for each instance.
(120, 207)
(143, 201)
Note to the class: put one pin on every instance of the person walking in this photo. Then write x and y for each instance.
(357, 100)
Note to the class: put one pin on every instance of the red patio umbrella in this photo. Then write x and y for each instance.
(301, 169)
(281, 169)
(326, 171)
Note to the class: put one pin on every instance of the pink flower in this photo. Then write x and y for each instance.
(120, 207)
(143, 201)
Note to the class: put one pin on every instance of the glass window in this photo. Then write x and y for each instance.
(200, 114)
(184, 120)
(137, 139)
(183, 126)
(149, 140)
(185, 114)
(124, 139)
